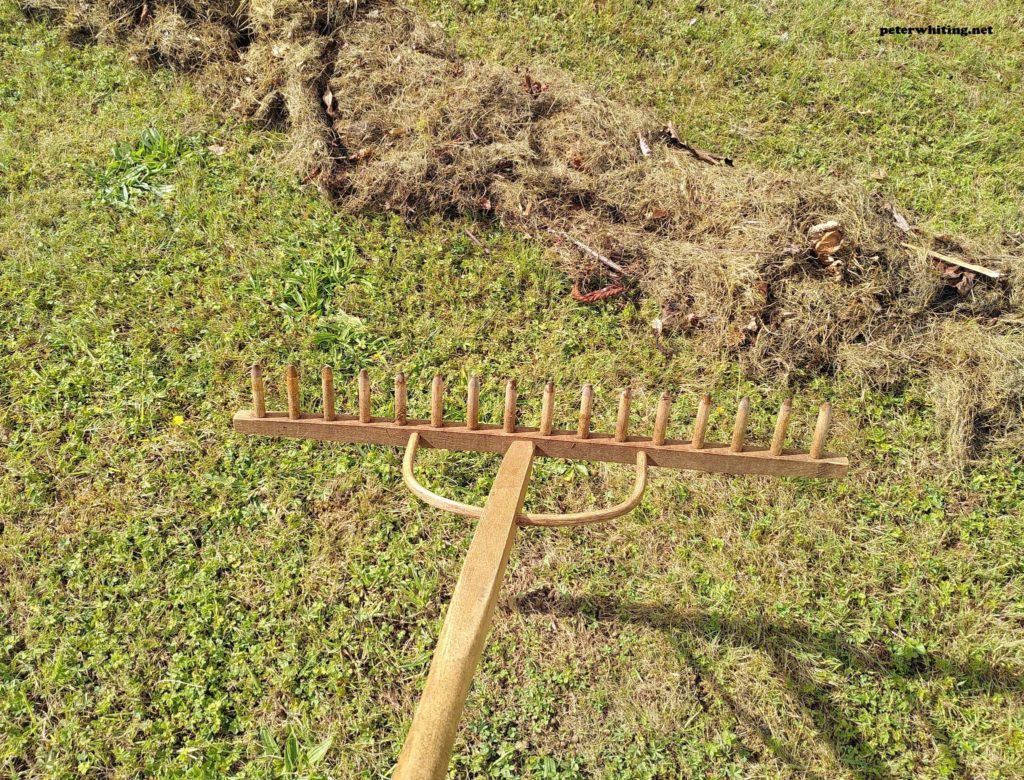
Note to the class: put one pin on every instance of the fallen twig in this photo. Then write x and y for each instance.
(592, 252)
(476, 241)
(980, 269)
(700, 154)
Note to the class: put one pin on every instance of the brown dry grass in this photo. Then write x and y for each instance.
(383, 115)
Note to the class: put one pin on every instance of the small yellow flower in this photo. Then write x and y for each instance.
(178, 420)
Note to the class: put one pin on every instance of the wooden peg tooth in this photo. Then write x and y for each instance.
(401, 399)
(547, 409)
(586, 409)
(473, 403)
(739, 428)
(364, 396)
(781, 424)
(509, 421)
(291, 383)
(259, 397)
(821, 431)
(622, 419)
(327, 386)
(661, 419)
(700, 425)
(437, 402)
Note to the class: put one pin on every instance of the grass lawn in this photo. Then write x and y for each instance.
(178, 600)
(930, 120)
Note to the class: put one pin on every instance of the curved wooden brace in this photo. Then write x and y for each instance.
(447, 504)
(596, 515)
(525, 518)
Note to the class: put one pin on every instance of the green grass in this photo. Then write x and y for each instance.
(933, 121)
(179, 600)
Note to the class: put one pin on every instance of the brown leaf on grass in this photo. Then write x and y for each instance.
(328, 98)
(826, 238)
(597, 296)
(532, 86)
(900, 220)
(672, 135)
(960, 279)
(485, 203)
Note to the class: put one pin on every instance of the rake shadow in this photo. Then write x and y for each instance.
(785, 644)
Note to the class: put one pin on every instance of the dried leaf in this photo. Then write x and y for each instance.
(900, 220)
(597, 295)
(216, 149)
(827, 239)
(645, 150)
(532, 86)
(328, 98)
(966, 283)
(953, 276)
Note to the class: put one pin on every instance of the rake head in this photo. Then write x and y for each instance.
(738, 456)
(428, 746)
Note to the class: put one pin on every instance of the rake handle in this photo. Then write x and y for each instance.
(428, 747)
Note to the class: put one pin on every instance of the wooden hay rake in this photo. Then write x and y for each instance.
(428, 747)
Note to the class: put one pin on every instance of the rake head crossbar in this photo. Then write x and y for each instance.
(736, 457)
(428, 747)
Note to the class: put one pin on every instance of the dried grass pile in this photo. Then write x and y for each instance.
(795, 275)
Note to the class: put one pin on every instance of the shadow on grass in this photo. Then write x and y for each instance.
(789, 645)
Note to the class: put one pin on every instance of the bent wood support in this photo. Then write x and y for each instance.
(428, 746)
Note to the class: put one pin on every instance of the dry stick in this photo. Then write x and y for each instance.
(509, 421)
(821, 431)
(661, 419)
(259, 398)
(622, 419)
(592, 252)
(781, 424)
(586, 407)
(473, 403)
(547, 409)
(700, 425)
(437, 402)
(401, 399)
(327, 385)
(364, 396)
(739, 428)
(957, 261)
(291, 383)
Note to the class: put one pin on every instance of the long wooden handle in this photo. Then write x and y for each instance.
(428, 747)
